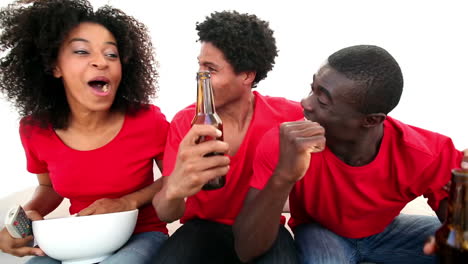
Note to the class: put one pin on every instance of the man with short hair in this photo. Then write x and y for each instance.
(239, 50)
(348, 170)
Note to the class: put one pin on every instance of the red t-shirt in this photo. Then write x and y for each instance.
(224, 204)
(122, 166)
(357, 202)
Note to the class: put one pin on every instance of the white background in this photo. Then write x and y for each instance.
(428, 39)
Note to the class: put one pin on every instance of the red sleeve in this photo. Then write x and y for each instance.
(162, 127)
(34, 163)
(266, 158)
(179, 126)
(439, 173)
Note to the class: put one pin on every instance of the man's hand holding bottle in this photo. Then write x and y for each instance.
(430, 246)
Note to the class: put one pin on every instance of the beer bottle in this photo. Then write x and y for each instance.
(206, 114)
(452, 236)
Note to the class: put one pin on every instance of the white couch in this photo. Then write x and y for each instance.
(418, 206)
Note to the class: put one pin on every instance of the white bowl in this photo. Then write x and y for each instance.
(84, 239)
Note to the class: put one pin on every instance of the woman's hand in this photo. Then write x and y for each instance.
(20, 247)
(105, 206)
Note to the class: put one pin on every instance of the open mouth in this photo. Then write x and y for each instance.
(101, 86)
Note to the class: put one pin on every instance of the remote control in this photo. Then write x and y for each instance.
(17, 223)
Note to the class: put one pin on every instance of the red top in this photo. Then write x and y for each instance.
(122, 166)
(357, 202)
(224, 204)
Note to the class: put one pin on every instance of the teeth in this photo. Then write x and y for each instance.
(105, 88)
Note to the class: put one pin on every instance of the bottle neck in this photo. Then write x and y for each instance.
(205, 99)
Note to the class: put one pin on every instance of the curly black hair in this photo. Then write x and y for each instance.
(31, 35)
(377, 70)
(246, 41)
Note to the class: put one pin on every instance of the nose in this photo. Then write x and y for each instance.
(308, 108)
(306, 103)
(99, 62)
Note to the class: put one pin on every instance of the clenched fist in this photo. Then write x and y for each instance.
(297, 141)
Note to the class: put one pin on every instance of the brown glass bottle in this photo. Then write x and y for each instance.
(206, 114)
(452, 236)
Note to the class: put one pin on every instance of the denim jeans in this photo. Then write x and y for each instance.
(205, 242)
(401, 242)
(140, 249)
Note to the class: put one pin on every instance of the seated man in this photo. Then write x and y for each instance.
(348, 170)
(239, 50)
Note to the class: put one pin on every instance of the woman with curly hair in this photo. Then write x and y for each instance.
(82, 81)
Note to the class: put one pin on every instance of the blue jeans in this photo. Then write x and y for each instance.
(401, 242)
(139, 249)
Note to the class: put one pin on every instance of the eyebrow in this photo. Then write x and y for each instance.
(209, 64)
(87, 41)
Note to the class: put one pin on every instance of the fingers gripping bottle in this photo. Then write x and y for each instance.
(206, 114)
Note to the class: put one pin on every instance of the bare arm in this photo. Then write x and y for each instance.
(256, 227)
(43, 201)
(168, 206)
(191, 171)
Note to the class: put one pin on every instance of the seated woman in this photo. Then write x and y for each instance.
(82, 81)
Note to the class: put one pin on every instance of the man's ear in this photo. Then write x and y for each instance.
(375, 119)
(249, 77)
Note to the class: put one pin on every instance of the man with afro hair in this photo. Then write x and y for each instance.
(238, 50)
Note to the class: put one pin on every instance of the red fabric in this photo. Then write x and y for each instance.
(224, 204)
(357, 202)
(122, 166)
